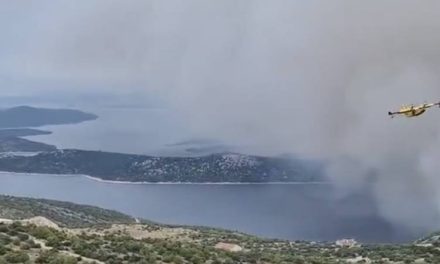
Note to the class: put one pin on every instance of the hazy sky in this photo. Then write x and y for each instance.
(310, 77)
(257, 61)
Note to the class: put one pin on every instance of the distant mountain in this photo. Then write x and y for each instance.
(16, 144)
(26, 116)
(138, 168)
(22, 132)
(196, 142)
(11, 141)
(198, 147)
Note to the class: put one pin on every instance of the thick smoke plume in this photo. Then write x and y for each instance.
(316, 78)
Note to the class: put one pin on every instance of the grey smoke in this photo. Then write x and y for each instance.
(311, 77)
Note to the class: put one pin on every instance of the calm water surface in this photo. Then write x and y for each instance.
(292, 212)
(131, 130)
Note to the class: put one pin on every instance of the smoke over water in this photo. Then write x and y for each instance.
(316, 78)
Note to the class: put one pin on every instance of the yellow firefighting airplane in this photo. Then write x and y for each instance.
(413, 111)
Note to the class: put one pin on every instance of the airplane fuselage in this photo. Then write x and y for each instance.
(413, 111)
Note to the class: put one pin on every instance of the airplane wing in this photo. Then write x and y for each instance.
(425, 106)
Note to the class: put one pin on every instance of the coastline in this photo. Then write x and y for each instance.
(162, 183)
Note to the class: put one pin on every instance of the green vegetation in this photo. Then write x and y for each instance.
(139, 168)
(62, 213)
(47, 245)
(24, 242)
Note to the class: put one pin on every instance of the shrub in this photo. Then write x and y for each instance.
(23, 237)
(3, 250)
(42, 232)
(25, 246)
(16, 257)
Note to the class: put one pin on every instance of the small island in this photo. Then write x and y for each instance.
(27, 116)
